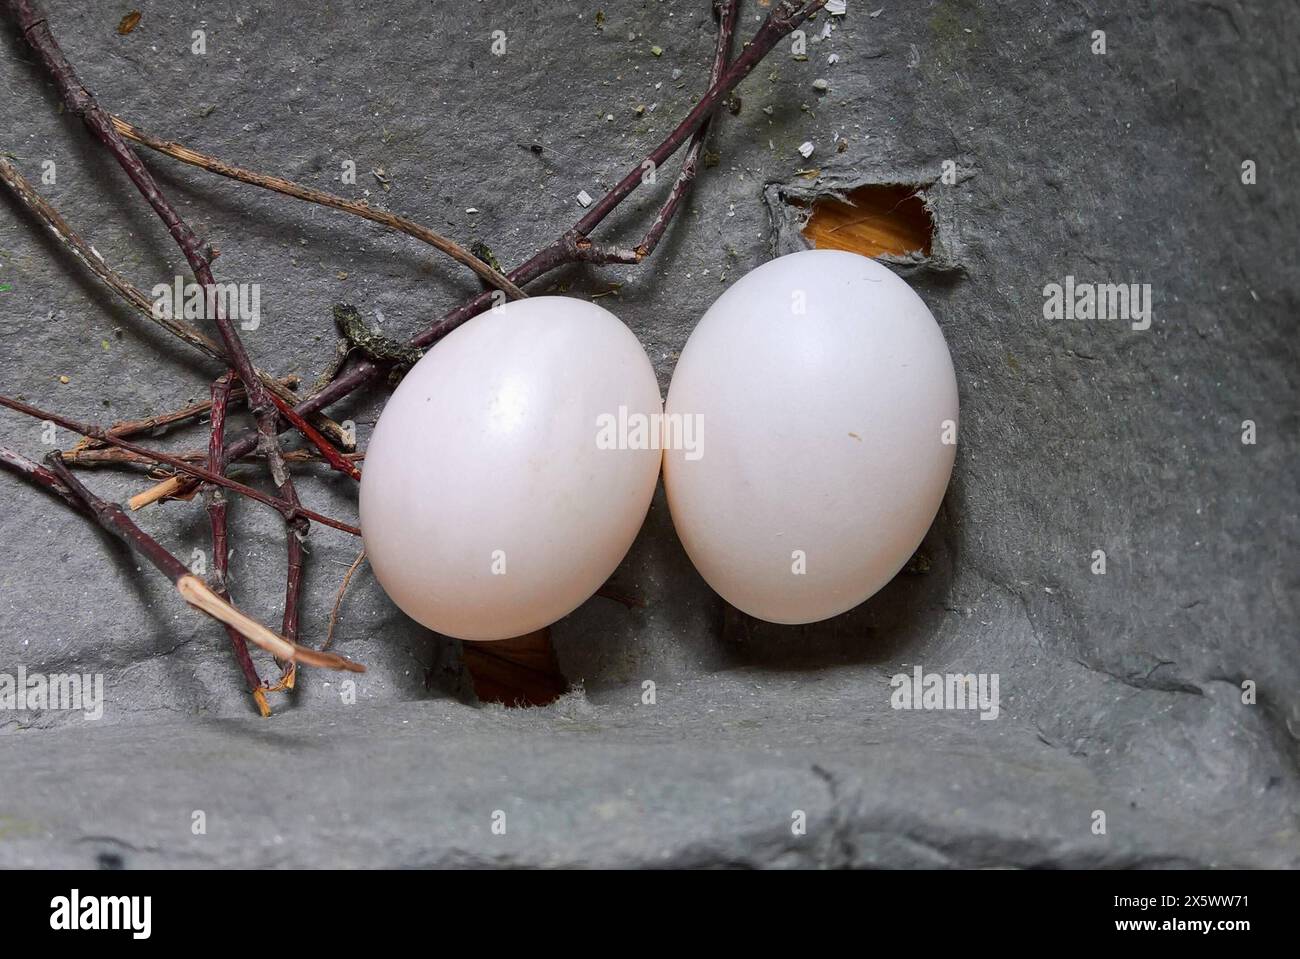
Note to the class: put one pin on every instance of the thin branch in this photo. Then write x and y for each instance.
(178, 151)
(221, 396)
(78, 99)
(785, 16)
(150, 423)
(338, 600)
(727, 11)
(92, 455)
(630, 601)
(38, 474)
(331, 455)
(284, 507)
(90, 258)
(193, 590)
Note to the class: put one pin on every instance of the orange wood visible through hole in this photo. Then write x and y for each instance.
(877, 219)
(516, 672)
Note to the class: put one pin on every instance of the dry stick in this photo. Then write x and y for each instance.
(572, 247)
(39, 475)
(89, 257)
(91, 456)
(727, 12)
(79, 100)
(283, 507)
(221, 396)
(785, 16)
(179, 151)
(338, 600)
(221, 392)
(296, 532)
(331, 455)
(192, 589)
(150, 423)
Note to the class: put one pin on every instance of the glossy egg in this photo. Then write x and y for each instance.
(827, 404)
(489, 507)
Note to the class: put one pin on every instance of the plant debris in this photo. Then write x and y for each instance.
(129, 22)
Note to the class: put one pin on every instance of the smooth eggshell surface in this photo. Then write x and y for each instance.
(487, 509)
(829, 409)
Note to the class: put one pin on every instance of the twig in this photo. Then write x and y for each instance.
(178, 151)
(331, 455)
(727, 11)
(338, 600)
(89, 257)
(193, 590)
(150, 423)
(630, 601)
(38, 474)
(92, 455)
(284, 507)
(221, 396)
(79, 100)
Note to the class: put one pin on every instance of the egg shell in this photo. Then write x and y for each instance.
(828, 406)
(487, 509)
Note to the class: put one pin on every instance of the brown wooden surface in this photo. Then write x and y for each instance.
(516, 672)
(877, 219)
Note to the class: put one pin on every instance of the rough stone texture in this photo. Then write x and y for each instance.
(1119, 693)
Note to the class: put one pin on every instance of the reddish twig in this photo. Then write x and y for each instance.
(178, 151)
(338, 600)
(726, 12)
(38, 474)
(327, 450)
(150, 423)
(193, 590)
(630, 601)
(284, 507)
(221, 397)
(94, 456)
(90, 258)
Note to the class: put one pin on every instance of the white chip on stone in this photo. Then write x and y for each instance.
(584, 198)
(836, 8)
(806, 148)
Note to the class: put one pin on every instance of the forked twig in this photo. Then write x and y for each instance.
(286, 508)
(179, 151)
(338, 599)
(192, 589)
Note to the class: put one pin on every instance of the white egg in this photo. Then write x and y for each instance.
(489, 508)
(828, 408)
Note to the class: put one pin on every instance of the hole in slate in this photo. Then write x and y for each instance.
(874, 220)
(515, 672)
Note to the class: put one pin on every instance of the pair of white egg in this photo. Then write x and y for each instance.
(808, 439)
